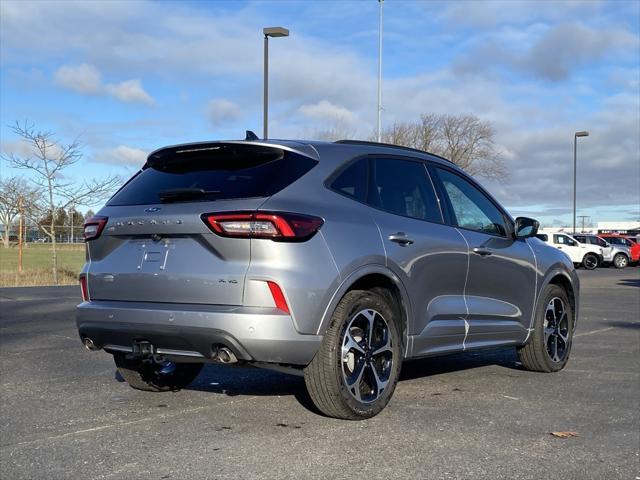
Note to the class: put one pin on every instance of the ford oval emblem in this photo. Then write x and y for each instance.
(152, 209)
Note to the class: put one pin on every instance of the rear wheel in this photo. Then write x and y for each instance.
(550, 345)
(620, 260)
(590, 261)
(151, 376)
(356, 369)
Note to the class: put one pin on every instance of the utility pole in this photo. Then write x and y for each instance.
(582, 219)
(379, 114)
(20, 239)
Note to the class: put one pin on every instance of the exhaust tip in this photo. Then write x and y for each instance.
(89, 345)
(224, 355)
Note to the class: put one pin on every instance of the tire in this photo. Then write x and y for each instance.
(620, 260)
(150, 376)
(346, 355)
(590, 261)
(538, 354)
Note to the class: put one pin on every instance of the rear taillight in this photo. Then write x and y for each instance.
(84, 289)
(93, 227)
(281, 226)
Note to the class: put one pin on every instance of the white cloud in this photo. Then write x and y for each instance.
(222, 112)
(87, 79)
(327, 112)
(83, 78)
(124, 156)
(129, 91)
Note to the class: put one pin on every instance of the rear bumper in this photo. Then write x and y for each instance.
(252, 333)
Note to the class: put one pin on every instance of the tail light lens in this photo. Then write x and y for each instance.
(93, 227)
(84, 289)
(280, 226)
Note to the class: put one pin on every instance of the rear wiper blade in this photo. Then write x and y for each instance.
(178, 194)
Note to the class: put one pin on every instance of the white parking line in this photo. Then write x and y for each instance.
(594, 332)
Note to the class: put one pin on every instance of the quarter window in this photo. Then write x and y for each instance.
(352, 181)
(471, 208)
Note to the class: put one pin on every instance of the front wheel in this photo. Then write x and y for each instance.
(620, 260)
(590, 261)
(151, 376)
(552, 335)
(356, 369)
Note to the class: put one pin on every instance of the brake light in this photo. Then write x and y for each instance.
(93, 227)
(280, 226)
(278, 296)
(84, 289)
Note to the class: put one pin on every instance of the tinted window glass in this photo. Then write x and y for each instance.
(543, 237)
(353, 180)
(580, 238)
(402, 187)
(598, 241)
(217, 177)
(472, 209)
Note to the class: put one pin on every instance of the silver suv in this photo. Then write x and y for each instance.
(612, 254)
(335, 261)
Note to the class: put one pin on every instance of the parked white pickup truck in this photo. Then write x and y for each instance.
(581, 254)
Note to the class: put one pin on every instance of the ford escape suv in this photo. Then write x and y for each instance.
(333, 261)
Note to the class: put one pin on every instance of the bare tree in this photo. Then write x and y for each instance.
(16, 197)
(46, 160)
(337, 130)
(464, 139)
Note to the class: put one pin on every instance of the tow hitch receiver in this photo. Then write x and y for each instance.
(141, 349)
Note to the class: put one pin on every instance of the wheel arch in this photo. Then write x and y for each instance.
(564, 280)
(365, 278)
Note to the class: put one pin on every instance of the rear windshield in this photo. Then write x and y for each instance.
(211, 175)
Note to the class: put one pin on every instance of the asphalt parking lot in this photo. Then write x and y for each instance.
(65, 414)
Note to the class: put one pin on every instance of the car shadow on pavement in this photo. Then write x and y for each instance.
(251, 381)
(630, 282)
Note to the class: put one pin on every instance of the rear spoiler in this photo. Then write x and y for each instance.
(241, 150)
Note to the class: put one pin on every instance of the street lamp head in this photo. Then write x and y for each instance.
(582, 134)
(275, 32)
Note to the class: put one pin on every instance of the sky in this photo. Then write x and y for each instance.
(127, 77)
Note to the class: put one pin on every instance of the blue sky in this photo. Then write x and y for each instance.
(131, 76)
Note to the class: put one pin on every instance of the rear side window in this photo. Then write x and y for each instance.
(402, 187)
(543, 237)
(206, 175)
(352, 181)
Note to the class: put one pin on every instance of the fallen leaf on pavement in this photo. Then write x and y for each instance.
(564, 434)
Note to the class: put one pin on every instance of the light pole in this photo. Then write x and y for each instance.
(575, 165)
(269, 32)
(379, 116)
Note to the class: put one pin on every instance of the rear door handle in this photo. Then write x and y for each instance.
(483, 252)
(400, 238)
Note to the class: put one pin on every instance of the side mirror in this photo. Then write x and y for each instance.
(526, 227)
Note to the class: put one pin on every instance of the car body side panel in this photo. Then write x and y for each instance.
(500, 290)
(433, 268)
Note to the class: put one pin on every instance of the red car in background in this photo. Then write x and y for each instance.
(617, 239)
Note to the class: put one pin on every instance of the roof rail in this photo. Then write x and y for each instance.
(391, 145)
